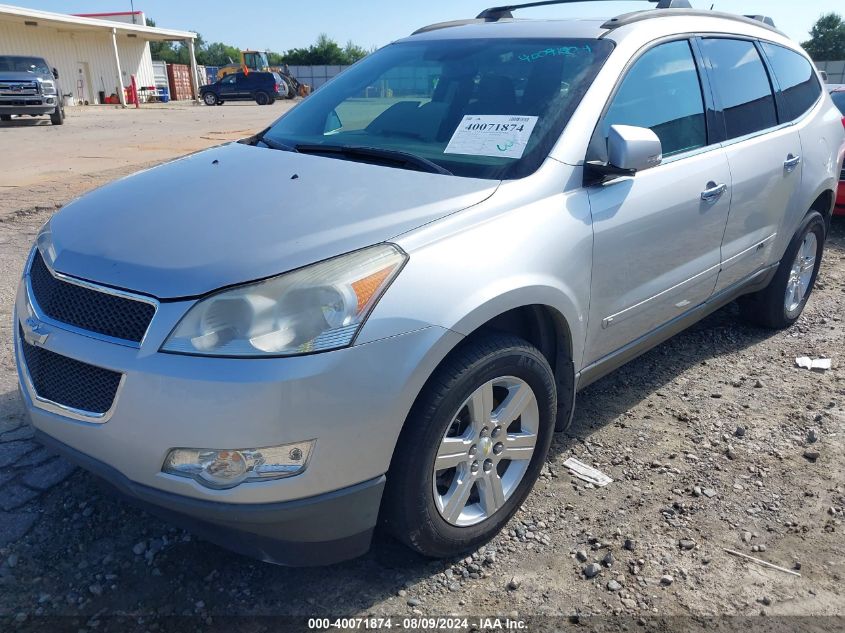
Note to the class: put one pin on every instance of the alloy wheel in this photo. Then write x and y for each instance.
(801, 273)
(485, 451)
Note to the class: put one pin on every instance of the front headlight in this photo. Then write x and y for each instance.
(313, 309)
(48, 87)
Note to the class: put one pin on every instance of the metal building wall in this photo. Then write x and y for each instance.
(64, 49)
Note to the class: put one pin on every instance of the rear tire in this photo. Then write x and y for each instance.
(210, 99)
(443, 512)
(780, 303)
(58, 117)
(5, 117)
(262, 98)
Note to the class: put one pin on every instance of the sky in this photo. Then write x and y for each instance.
(283, 24)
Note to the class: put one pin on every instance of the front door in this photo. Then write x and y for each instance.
(657, 235)
(228, 87)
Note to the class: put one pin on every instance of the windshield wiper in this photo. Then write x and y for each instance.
(275, 144)
(389, 155)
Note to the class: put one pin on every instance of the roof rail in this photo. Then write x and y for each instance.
(494, 14)
(638, 16)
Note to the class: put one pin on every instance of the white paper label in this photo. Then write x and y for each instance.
(492, 135)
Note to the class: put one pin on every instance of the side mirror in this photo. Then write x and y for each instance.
(633, 149)
(333, 123)
(55, 74)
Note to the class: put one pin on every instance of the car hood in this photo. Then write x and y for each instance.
(237, 213)
(20, 76)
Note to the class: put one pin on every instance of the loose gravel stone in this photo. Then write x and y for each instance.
(686, 544)
(740, 431)
(613, 586)
(14, 525)
(14, 496)
(514, 583)
(708, 492)
(666, 580)
(48, 475)
(581, 555)
(591, 570)
(811, 455)
(11, 452)
(630, 544)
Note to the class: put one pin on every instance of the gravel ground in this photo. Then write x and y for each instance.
(714, 440)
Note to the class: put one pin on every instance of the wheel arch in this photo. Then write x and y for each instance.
(824, 203)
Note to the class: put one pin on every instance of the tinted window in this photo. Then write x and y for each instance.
(662, 92)
(417, 96)
(796, 77)
(741, 81)
(839, 100)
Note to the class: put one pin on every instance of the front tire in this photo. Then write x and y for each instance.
(262, 98)
(780, 303)
(210, 99)
(472, 446)
(58, 117)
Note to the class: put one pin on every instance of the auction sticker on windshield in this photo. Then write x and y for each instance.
(492, 135)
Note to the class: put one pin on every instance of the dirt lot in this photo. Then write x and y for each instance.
(714, 440)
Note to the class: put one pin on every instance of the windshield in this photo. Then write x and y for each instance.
(34, 65)
(483, 108)
(839, 99)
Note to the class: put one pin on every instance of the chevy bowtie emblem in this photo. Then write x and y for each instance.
(34, 332)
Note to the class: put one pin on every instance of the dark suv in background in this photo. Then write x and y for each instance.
(29, 86)
(261, 87)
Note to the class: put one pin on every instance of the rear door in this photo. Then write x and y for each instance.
(657, 235)
(764, 154)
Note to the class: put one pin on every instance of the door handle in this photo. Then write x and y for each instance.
(791, 163)
(713, 192)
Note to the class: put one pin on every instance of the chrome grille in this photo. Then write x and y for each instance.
(18, 88)
(68, 382)
(85, 308)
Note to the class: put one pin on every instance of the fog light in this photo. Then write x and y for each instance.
(226, 468)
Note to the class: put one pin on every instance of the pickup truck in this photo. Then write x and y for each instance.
(29, 86)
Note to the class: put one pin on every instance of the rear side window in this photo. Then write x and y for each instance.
(797, 79)
(662, 91)
(742, 84)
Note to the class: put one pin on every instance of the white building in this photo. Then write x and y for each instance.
(93, 53)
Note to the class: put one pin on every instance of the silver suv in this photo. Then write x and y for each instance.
(464, 229)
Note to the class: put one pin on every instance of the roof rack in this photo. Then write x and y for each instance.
(494, 14)
(638, 16)
(679, 7)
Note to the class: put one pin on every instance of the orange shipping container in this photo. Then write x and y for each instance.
(179, 78)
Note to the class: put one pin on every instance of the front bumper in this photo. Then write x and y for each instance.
(34, 105)
(353, 402)
(301, 533)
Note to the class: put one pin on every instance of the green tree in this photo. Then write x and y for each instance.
(325, 51)
(161, 50)
(827, 39)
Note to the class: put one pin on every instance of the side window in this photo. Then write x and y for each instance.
(662, 91)
(742, 84)
(797, 79)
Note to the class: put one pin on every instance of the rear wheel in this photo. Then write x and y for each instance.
(210, 99)
(472, 447)
(5, 117)
(58, 117)
(781, 303)
(262, 98)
